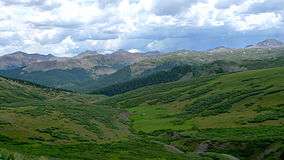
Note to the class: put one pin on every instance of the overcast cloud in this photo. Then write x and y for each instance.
(67, 27)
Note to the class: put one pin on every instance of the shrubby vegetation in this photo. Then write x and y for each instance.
(191, 71)
(209, 117)
(239, 114)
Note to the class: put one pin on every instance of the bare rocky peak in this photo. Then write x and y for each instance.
(21, 59)
(268, 43)
(89, 60)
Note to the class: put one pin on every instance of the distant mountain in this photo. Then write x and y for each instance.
(86, 53)
(154, 53)
(90, 71)
(87, 70)
(21, 59)
(89, 60)
(121, 51)
(220, 49)
(268, 43)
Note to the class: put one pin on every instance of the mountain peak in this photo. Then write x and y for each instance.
(121, 51)
(268, 43)
(220, 49)
(153, 53)
(86, 53)
(18, 53)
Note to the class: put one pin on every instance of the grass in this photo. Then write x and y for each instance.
(41, 123)
(238, 114)
(31, 113)
(233, 98)
(242, 108)
(117, 150)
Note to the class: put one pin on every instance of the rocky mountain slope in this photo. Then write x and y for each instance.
(21, 59)
(268, 43)
(91, 71)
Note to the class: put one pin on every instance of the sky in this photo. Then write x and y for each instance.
(68, 27)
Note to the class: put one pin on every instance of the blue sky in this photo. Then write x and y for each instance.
(67, 27)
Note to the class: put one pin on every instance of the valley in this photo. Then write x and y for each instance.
(224, 104)
(142, 80)
(238, 114)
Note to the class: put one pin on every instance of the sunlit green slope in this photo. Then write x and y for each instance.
(226, 116)
(40, 123)
(241, 113)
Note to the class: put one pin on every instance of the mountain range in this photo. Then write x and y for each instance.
(220, 104)
(90, 71)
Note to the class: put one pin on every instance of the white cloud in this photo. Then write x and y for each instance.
(258, 21)
(67, 26)
(133, 50)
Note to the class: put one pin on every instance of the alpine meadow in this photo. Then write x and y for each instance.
(142, 80)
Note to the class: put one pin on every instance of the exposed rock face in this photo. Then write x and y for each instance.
(21, 59)
(85, 60)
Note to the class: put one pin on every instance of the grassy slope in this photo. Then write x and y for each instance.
(67, 79)
(245, 107)
(239, 114)
(38, 123)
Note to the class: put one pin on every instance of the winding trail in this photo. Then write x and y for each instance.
(174, 149)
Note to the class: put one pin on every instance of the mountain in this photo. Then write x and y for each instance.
(153, 53)
(88, 60)
(268, 43)
(151, 64)
(121, 51)
(90, 71)
(224, 104)
(173, 74)
(84, 72)
(86, 53)
(220, 49)
(21, 59)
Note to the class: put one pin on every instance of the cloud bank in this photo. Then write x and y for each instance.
(67, 27)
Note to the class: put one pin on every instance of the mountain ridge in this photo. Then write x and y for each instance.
(268, 43)
(90, 70)
(265, 43)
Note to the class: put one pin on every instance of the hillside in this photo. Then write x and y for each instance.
(41, 123)
(194, 57)
(240, 114)
(187, 71)
(224, 116)
(152, 70)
